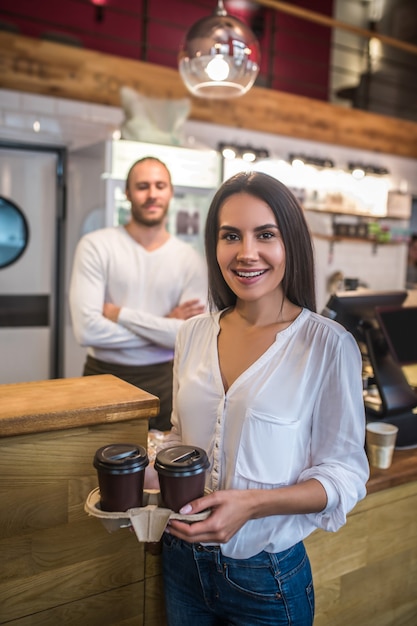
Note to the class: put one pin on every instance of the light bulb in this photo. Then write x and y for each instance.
(358, 173)
(217, 68)
(229, 153)
(249, 157)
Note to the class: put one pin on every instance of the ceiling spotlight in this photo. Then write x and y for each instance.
(249, 156)
(359, 170)
(358, 173)
(229, 153)
(297, 162)
(247, 153)
(302, 159)
(219, 57)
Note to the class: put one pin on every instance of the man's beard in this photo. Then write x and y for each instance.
(139, 217)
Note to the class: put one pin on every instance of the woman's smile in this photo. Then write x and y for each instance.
(249, 276)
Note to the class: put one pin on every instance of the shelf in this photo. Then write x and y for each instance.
(367, 216)
(339, 239)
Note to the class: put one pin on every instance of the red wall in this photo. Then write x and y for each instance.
(295, 52)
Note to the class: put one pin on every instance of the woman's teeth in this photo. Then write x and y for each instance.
(249, 274)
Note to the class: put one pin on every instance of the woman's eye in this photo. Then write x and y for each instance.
(230, 237)
(266, 235)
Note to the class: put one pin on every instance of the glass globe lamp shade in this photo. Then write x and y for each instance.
(219, 57)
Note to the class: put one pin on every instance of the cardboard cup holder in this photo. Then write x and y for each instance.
(148, 521)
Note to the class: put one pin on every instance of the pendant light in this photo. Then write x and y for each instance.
(220, 56)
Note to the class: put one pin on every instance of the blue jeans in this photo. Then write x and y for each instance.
(205, 588)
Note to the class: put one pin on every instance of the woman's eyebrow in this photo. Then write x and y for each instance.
(257, 228)
(266, 226)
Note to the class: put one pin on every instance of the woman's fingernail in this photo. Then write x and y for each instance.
(186, 509)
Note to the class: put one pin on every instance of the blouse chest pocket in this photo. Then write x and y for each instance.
(267, 447)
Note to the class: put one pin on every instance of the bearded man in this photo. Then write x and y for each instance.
(132, 287)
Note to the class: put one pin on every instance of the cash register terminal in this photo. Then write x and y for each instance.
(386, 333)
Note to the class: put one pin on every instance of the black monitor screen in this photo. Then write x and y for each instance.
(353, 308)
(399, 326)
(357, 311)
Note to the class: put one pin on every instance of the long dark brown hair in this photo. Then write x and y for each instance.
(298, 281)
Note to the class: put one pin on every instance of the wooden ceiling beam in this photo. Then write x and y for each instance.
(47, 68)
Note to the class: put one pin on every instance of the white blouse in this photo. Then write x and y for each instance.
(296, 413)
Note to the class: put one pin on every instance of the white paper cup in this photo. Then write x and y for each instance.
(380, 443)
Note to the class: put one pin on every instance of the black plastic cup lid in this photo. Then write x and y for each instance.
(181, 460)
(121, 458)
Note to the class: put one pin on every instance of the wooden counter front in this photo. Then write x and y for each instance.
(58, 565)
(366, 572)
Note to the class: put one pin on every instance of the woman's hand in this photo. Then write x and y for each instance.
(229, 511)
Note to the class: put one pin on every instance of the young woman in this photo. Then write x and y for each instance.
(273, 392)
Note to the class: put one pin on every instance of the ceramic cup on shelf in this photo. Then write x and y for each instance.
(121, 474)
(182, 475)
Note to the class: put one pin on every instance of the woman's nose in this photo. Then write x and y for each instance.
(247, 249)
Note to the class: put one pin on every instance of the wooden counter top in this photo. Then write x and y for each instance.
(403, 470)
(63, 403)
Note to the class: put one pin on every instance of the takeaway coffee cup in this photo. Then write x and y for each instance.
(380, 443)
(182, 475)
(121, 474)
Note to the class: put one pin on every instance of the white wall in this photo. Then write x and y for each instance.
(378, 267)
